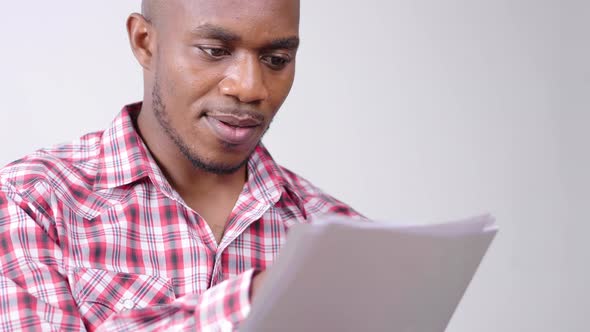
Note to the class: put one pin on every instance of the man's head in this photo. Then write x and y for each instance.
(215, 73)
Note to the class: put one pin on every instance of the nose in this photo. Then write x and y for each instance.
(245, 81)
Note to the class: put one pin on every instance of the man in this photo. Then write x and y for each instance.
(168, 218)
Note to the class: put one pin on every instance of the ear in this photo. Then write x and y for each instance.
(141, 39)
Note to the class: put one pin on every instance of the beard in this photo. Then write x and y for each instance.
(193, 156)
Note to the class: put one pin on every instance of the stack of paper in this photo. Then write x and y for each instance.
(356, 276)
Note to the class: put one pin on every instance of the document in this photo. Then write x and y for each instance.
(343, 275)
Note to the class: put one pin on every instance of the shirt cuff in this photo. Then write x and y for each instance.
(224, 306)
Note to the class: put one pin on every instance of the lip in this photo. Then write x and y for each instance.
(232, 129)
(236, 120)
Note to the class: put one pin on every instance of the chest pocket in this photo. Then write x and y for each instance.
(100, 293)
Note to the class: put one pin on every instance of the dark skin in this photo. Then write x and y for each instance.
(204, 60)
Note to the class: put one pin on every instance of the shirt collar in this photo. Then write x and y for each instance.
(125, 159)
(268, 182)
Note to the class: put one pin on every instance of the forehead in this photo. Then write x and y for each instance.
(243, 16)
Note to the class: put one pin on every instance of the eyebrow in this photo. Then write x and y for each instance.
(289, 43)
(211, 31)
(215, 32)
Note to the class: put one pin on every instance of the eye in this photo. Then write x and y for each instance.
(276, 62)
(215, 52)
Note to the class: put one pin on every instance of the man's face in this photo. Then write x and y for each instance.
(222, 70)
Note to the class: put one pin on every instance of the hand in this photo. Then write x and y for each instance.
(256, 284)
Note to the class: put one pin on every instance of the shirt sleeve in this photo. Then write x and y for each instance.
(35, 293)
(220, 308)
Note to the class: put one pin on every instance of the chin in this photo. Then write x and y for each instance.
(221, 167)
(225, 160)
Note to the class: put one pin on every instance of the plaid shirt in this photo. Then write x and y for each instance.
(92, 236)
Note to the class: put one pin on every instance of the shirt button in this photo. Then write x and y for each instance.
(128, 304)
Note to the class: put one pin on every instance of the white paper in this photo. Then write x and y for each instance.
(346, 275)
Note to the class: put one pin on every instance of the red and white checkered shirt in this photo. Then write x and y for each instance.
(92, 236)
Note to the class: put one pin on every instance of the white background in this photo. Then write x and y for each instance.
(417, 110)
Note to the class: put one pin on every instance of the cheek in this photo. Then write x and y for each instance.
(189, 85)
(280, 86)
(187, 80)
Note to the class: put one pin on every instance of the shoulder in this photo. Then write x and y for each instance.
(56, 167)
(316, 201)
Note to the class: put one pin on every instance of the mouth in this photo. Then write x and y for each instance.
(233, 129)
